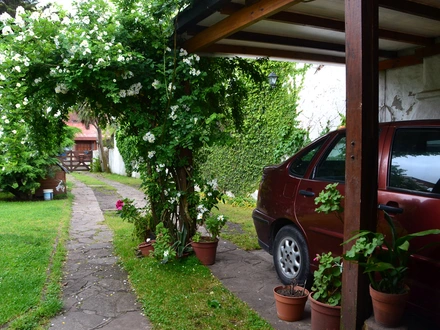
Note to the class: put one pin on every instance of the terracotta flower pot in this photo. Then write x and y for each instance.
(324, 316)
(388, 308)
(205, 250)
(290, 308)
(146, 248)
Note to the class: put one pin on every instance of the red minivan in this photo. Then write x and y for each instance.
(408, 189)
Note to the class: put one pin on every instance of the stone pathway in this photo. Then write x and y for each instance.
(97, 294)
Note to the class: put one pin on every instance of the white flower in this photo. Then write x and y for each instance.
(84, 43)
(86, 20)
(151, 154)
(61, 88)
(38, 80)
(121, 58)
(7, 30)
(90, 66)
(14, 131)
(25, 101)
(54, 17)
(122, 93)
(65, 21)
(183, 52)
(19, 11)
(2, 77)
(155, 84)
(165, 253)
(149, 137)
(6, 121)
(17, 106)
(4, 17)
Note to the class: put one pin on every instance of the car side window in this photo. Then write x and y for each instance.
(332, 166)
(415, 160)
(299, 166)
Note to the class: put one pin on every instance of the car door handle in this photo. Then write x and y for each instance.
(390, 209)
(307, 193)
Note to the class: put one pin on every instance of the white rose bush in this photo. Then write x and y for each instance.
(124, 60)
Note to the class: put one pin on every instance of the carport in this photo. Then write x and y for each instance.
(367, 36)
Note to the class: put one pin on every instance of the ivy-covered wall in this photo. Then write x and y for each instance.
(270, 133)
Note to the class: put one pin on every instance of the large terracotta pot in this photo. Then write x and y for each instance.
(388, 308)
(146, 248)
(324, 317)
(290, 308)
(205, 250)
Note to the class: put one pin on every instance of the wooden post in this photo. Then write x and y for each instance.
(361, 20)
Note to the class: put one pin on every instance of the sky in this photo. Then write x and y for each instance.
(65, 3)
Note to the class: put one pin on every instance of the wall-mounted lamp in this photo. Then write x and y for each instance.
(272, 79)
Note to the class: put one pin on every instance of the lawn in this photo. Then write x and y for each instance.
(32, 241)
(182, 294)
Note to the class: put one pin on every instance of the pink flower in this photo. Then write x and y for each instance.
(317, 257)
(119, 205)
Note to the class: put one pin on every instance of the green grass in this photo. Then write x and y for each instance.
(32, 245)
(182, 294)
(133, 182)
(90, 180)
(242, 231)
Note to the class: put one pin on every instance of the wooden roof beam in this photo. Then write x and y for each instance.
(412, 8)
(236, 22)
(287, 41)
(269, 52)
(331, 24)
(197, 12)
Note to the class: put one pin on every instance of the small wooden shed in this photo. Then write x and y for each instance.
(56, 180)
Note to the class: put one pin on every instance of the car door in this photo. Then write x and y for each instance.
(324, 232)
(409, 190)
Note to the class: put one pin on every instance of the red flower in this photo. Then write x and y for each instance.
(119, 205)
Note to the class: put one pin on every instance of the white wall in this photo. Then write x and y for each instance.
(322, 98)
(411, 92)
(116, 163)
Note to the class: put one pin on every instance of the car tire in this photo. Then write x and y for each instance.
(291, 256)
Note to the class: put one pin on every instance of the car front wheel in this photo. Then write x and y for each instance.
(291, 255)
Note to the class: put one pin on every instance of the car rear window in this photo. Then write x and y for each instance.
(299, 166)
(415, 160)
(332, 165)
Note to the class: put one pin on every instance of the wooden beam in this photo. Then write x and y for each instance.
(416, 58)
(236, 22)
(412, 8)
(288, 41)
(361, 17)
(331, 24)
(194, 14)
(273, 53)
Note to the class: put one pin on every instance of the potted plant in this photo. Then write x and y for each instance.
(141, 219)
(205, 246)
(385, 261)
(290, 301)
(325, 299)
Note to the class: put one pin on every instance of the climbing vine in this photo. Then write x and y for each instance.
(269, 134)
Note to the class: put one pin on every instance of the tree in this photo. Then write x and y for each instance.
(123, 59)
